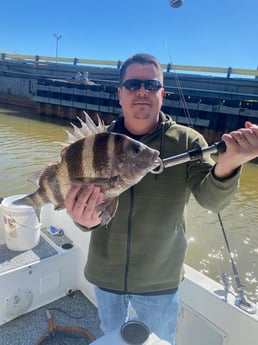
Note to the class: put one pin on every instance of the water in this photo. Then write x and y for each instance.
(28, 143)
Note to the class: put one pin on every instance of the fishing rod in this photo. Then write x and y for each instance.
(197, 154)
(240, 301)
(190, 156)
(200, 153)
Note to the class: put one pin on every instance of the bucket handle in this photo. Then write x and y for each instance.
(25, 226)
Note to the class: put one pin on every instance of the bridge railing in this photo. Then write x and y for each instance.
(168, 67)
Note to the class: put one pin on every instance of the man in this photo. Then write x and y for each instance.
(138, 258)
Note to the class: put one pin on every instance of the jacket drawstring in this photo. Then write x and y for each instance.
(161, 143)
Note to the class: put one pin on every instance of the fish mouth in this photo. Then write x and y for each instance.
(159, 166)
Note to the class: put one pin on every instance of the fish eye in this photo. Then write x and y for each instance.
(136, 148)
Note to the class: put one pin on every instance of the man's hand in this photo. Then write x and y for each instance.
(242, 146)
(81, 203)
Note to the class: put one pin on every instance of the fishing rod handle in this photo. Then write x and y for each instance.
(191, 155)
(220, 146)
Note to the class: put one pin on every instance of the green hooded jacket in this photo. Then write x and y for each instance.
(142, 250)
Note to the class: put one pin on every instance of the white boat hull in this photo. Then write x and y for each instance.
(208, 315)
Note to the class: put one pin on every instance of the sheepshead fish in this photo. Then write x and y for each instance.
(94, 156)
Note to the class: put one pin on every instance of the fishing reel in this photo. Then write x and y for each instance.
(226, 281)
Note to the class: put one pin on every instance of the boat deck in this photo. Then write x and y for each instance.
(74, 310)
(19, 269)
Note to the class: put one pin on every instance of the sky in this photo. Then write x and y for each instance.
(199, 33)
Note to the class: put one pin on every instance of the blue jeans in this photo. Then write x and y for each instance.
(159, 312)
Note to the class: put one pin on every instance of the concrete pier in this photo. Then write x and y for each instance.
(211, 104)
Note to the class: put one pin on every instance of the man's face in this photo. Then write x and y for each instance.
(141, 107)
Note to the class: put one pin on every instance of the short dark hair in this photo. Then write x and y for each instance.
(141, 58)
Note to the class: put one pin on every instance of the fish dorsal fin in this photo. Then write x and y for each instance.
(36, 175)
(88, 128)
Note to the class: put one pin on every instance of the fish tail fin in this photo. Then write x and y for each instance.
(31, 200)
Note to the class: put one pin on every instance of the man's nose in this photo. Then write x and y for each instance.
(142, 90)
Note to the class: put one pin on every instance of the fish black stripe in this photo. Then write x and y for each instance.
(50, 180)
(55, 186)
(118, 143)
(73, 157)
(100, 152)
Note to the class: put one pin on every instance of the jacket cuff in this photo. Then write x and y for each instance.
(235, 173)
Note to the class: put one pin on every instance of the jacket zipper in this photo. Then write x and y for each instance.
(129, 235)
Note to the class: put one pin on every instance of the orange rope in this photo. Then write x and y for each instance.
(53, 327)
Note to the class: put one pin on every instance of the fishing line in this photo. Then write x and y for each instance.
(180, 90)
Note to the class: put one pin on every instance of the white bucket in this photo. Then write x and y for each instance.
(21, 224)
(2, 232)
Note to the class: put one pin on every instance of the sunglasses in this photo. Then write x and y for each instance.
(136, 84)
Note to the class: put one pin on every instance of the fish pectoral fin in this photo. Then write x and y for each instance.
(108, 209)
